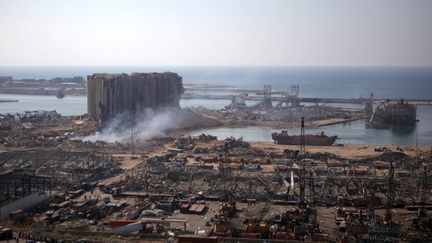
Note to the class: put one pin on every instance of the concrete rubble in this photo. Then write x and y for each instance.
(203, 188)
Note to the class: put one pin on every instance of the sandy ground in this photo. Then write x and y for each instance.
(349, 151)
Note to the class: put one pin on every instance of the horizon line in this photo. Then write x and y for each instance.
(217, 65)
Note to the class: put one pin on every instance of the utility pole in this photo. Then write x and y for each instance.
(312, 187)
(132, 143)
(417, 154)
(371, 205)
(390, 195)
(303, 171)
(302, 139)
(423, 211)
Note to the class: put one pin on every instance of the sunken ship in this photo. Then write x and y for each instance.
(394, 113)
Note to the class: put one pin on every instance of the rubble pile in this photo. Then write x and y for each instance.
(67, 169)
(42, 129)
(190, 187)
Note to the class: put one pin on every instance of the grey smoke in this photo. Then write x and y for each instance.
(145, 125)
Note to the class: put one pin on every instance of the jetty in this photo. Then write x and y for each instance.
(4, 101)
(303, 99)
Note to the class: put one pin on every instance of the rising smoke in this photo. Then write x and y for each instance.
(144, 126)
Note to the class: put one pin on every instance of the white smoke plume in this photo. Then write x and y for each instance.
(144, 126)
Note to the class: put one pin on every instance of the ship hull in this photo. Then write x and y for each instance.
(394, 114)
(314, 140)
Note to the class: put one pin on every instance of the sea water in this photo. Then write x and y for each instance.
(328, 82)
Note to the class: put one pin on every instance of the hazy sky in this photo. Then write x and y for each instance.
(217, 32)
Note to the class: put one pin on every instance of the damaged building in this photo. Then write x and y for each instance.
(111, 94)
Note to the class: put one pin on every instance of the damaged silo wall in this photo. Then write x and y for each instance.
(111, 94)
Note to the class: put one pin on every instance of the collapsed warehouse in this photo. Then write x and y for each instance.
(46, 171)
(242, 190)
(201, 189)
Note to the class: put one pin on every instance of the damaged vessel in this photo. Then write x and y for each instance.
(317, 140)
(60, 93)
(394, 113)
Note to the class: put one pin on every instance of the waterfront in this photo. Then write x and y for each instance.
(325, 82)
(153, 121)
(68, 106)
(332, 82)
(356, 132)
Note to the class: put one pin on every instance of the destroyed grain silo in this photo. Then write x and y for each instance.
(111, 94)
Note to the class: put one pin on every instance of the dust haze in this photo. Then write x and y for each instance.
(144, 125)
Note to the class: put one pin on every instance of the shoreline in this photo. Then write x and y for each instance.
(6, 101)
(291, 125)
(37, 92)
(342, 121)
(186, 96)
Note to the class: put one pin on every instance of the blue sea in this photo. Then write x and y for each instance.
(329, 82)
(338, 82)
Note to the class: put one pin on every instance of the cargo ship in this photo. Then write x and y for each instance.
(316, 140)
(394, 113)
(60, 93)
